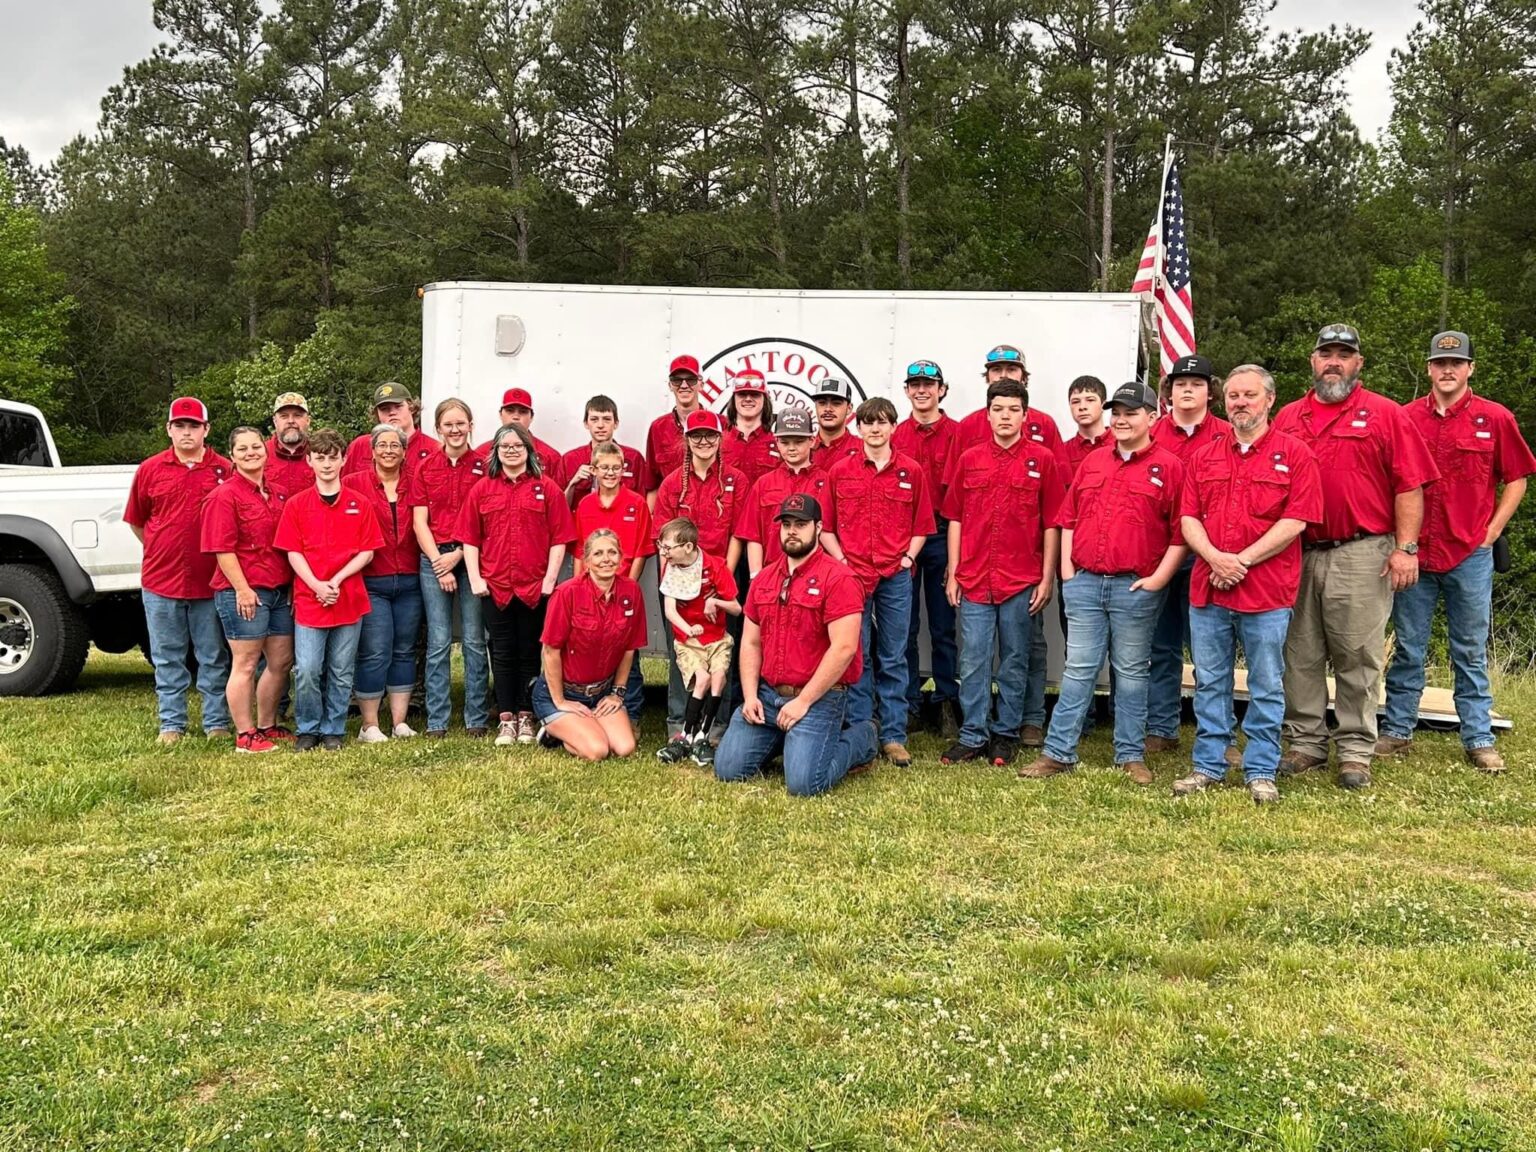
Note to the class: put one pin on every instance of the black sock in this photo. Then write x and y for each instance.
(691, 715)
(707, 718)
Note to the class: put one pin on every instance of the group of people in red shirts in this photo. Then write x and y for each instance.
(798, 564)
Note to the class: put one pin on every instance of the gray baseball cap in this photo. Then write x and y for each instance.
(833, 388)
(793, 422)
(1135, 395)
(1450, 346)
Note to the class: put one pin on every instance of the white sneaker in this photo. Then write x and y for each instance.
(404, 731)
(506, 731)
(371, 735)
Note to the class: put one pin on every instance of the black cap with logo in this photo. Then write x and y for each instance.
(799, 506)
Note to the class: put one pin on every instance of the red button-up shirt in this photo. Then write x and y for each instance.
(360, 453)
(165, 501)
(793, 610)
(845, 447)
(551, 463)
(717, 581)
(628, 517)
(637, 476)
(593, 631)
(1124, 513)
(665, 449)
(711, 503)
(753, 455)
(1237, 497)
(288, 472)
(400, 554)
(329, 536)
(876, 513)
(238, 517)
(1076, 449)
(515, 523)
(1005, 499)
(1369, 451)
(1185, 442)
(930, 445)
(441, 484)
(1038, 429)
(1477, 446)
(755, 521)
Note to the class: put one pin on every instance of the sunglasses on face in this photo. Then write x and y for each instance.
(998, 354)
(683, 381)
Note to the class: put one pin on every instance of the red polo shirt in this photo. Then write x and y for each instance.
(1185, 442)
(239, 518)
(550, 461)
(400, 554)
(753, 455)
(1477, 446)
(1004, 498)
(593, 631)
(793, 610)
(329, 536)
(930, 445)
(1237, 497)
(755, 520)
(628, 517)
(1124, 513)
(441, 484)
(1075, 450)
(876, 513)
(845, 447)
(515, 523)
(637, 476)
(665, 449)
(711, 503)
(1370, 452)
(718, 582)
(360, 453)
(1039, 429)
(288, 472)
(165, 500)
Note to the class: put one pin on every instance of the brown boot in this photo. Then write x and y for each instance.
(1162, 744)
(897, 754)
(1392, 745)
(1137, 771)
(1294, 763)
(1354, 775)
(1032, 736)
(1486, 760)
(1042, 767)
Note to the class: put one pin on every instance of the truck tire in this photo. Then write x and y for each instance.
(43, 636)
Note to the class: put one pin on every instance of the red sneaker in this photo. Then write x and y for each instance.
(253, 741)
(276, 732)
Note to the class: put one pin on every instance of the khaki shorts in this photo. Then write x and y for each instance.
(695, 659)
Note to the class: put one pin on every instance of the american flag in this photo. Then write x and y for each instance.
(1164, 272)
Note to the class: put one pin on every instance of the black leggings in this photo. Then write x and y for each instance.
(515, 650)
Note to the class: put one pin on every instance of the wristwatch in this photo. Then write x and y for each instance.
(1412, 548)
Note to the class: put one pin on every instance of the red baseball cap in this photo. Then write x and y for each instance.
(703, 421)
(684, 364)
(517, 398)
(750, 380)
(188, 408)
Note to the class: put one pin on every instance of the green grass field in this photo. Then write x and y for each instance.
(452, 946)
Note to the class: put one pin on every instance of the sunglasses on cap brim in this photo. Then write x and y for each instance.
(1338, 334)
(997, 355)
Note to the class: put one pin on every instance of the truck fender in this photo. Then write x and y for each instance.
(41, 544)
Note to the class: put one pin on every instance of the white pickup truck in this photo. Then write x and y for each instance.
(69, 566)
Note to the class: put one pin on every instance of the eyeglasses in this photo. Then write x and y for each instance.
(784, 590)
(1003, 354)
(925, 368)
(704, 437)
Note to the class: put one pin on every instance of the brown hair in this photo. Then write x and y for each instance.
(876, 408)
(682, 529)
(327, 442)
(449, 405)
(235, 435)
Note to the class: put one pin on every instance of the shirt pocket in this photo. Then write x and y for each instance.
(1350, 449)
(1473, 462)
(1268, 495)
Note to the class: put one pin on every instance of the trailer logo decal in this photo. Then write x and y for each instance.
(792, 369)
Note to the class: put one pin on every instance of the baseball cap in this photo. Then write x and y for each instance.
(833, 388)
(799, 506)
(289, 400)
(188, 408)
(749, 380)
(924, 370)
(517, 398)
(1135, 395)
(792, 422)
(1005, 354)
(684, 364)
(391, 393)
(703, 421)
(1192, 366)
(1337, 334)
(1450, 346)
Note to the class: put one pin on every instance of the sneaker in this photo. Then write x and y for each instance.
(253, 741)
(703, 753)
(958, 752)
(168, 737)
(896, 753)
(1044, 767)
(1031, 736)
(1486, 760)
(1392, 745)
(544, 740)
(527, 728)
(331, 743)
(306, 743)
(1004, 750)
(403, 731)
(1263, 791)
(506, 731)
(217, 733)
(371, 735)
(1294, 763)
(1354, 775)
(675, 750)
(1193, 783)
(276, 732)
(1162, 744)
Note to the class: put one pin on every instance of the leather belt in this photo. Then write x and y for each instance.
(596, 688)
(1330, 545)
(448, 546)
(790, 691)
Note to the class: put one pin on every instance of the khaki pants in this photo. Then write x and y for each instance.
(1340, 619)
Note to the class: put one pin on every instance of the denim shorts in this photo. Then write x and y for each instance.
(544, 705)
(274, 614)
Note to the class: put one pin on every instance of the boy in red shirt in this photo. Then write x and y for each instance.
(696, 589)
(330, 535)
(602, 423)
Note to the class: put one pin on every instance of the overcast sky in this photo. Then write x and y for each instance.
(61, 57)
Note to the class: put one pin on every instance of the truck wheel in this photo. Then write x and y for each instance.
(43, 637)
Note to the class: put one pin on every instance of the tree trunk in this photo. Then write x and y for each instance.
(248, 226)
(1107, 198)
(903, 151)
(515, 168)
(1448, 240)
(860, 167)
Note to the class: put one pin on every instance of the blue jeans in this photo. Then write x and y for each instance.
(1468, 592)
(1215, 633)
(928, 586)
(323, 663)
(1165, 690)
(1105, 616)
(818, 751)
(439, 608)
(1007, 630)
(883, 641)
(175, 628)
(386, 652)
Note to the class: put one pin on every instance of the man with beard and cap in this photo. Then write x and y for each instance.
(288, 470)
(1364, 550)
(394, 405)
(1478, 446)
